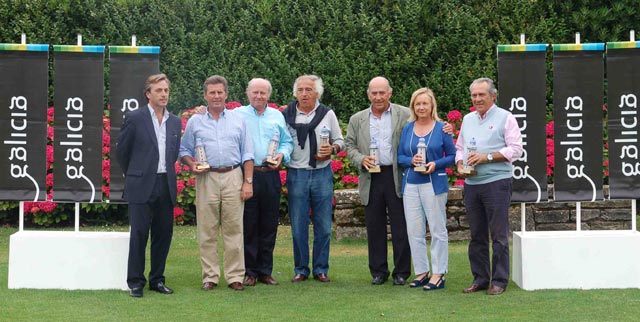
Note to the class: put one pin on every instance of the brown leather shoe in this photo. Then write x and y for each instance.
(208, 286)
(473, 288)
(322, 277)
(249, 280)
(495, 290)
(267, 279)
(236, 286)
(299, 278)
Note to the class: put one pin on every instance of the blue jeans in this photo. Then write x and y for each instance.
(310, 190)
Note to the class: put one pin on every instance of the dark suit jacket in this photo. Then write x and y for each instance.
(138, 154)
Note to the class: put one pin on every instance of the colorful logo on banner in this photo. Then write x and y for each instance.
(578, 97)
(129, 69)
(623, 85)
(522, 88)
(23, 121)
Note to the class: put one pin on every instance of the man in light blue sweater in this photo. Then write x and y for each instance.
(487, 190)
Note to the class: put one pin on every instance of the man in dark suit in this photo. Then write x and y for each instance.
(147, 151)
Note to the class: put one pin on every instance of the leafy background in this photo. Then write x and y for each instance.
(443, 44)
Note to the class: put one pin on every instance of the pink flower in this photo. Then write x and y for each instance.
(282, 108)
(28, 206)
(180, 185)
(106, 123)
(49, 180)
(454, 116)
(549, 128)
(472, 109)
(106, 191)
(177, 212)
(50, 111)
(106, 140)
(342, 154)
(50, 133)
(336, 165)
(273, 105)
(349, 179)
(49, 154)
(449, 171)
(550, 147)
(232, 105)
(191, 182)
(184, 124)
(283, 177)
(459, 182)
(47, 206)
(178, 167)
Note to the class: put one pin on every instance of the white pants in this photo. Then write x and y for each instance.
(422, 206)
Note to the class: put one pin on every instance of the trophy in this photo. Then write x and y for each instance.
(373, 151)
(422, 151)
(201, 156)
(324, 135)
(471, 148)
(273, 148)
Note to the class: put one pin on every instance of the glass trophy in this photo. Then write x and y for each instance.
(272, 151)
(373, 152)
(201, 156)
(422, 151)
(471, 148)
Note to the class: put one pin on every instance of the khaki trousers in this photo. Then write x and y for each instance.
(220, 207)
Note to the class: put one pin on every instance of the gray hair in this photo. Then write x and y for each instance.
(492, 87)
(257, 79)
(317, 84)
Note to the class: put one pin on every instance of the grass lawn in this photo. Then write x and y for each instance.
(348, 297)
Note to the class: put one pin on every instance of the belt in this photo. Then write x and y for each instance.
(264, 169)
(223, 169)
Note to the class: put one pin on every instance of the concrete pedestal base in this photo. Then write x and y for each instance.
(68, 260)
(576, 259)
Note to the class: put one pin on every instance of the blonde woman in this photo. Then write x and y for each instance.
(425, 193)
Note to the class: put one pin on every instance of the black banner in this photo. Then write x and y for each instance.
(128, 72)
(623, 75)
(78, 101)
(23, 123)
(578, 99)
(522, 91)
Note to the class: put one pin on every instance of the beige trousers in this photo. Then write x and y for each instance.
(220, 207)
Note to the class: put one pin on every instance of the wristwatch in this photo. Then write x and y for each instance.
(490, 157)
(249, 180)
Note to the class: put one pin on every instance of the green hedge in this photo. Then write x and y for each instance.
(443, 44)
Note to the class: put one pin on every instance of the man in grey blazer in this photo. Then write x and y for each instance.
(380, 192)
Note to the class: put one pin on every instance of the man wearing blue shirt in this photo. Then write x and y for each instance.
(227, 146)
(261, 210)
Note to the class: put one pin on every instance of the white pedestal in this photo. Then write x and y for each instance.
(576, 259)
(68, 260)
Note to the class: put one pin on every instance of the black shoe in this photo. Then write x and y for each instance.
(161, 288)
(398, 280)
(378, 280)
(135, 292)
